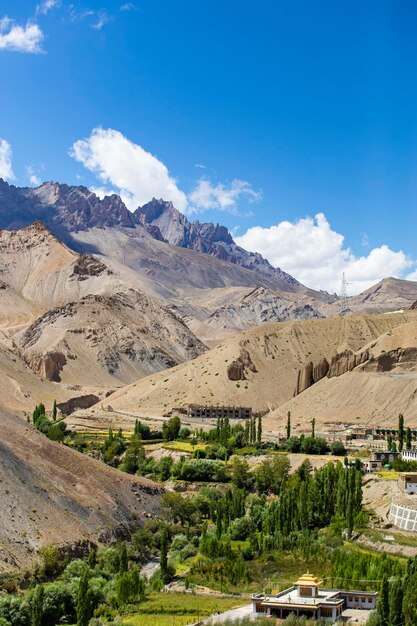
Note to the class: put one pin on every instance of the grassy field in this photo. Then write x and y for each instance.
(178, 609)
(183, 446)
(388, 474)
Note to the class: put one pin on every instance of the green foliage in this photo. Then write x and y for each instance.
(408, 439)
(400, 432)
(53, 430)
(205, 470)
(272, 473)
(134, 455)
(288, 425)
(171, 428)
(84, 599)
(337, 448)
(36, 606)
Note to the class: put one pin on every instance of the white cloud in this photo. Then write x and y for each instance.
(32, 176)
(6, 169)
(221, 197)
(46, 5)
(102, 19)
(315, 254)
(128, 6)
(136, 174)
(20, 38)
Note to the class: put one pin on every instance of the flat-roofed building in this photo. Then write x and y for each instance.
(408, 482)
(306, 598)
(409, 455)
(214, 412)
(378, 460)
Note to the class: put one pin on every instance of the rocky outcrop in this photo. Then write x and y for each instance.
(48, 366)
(311, 374)
(81, 402)
(387, 361)
(236, 371)
(86, 265)
(305, 378)
(239, 367)
(320, 370)
(346, 361)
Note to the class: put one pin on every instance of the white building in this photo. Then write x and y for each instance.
(306, 598)
(409, 455)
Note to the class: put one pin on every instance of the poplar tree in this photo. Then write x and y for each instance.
(400, 432)
(396, 602)
(84, 600)
(288, 425)
(408, 438)
(54, 411)
(383, 608)
(163, 557)
(313, 427)
(36, 606)
(123, 560)
(259, 434)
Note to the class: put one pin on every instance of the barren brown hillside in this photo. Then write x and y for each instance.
(259, 368)
(50, 494)
(373, 393)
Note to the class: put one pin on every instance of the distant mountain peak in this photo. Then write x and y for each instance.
(206, 237)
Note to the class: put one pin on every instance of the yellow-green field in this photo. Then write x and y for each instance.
(183, 446)
(178, 609)
(388, 474)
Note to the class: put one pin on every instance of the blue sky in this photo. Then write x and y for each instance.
(295, 109)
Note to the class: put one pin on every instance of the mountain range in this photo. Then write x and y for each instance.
(94, 298)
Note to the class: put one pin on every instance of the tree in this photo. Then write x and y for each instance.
(171, 428)
(259, 433)
(288, 425)
(123, 560)
(408, 439)
(239, 472)
(54, 411)
(36, 606)
(313, 427)
(337, 448)
(163, 556)
(84, 600)
(410, 600)
(389, 442)
(396, 602)
(383, 603)
(400, 432)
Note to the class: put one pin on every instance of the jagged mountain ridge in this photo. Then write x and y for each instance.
(208, 238)
(66, 209)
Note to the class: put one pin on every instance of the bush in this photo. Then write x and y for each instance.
(240, 529)
(337, 448)
(201, 470)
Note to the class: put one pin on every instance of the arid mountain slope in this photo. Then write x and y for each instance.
(75, 321)
(375, 392)
(53, 495)
(107, 340)
(258, 368)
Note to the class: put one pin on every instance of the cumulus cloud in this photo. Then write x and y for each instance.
(18, 38)
(222, 197)
(122, 165)
(32, 176)
(316, 255)
(46, 5)
(6, 169)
